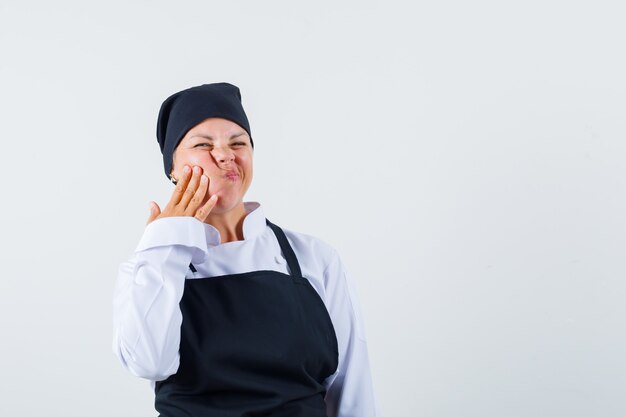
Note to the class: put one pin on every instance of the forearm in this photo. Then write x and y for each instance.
(149, 287)
(350, 391)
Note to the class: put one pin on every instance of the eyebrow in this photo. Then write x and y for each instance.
(210, 138)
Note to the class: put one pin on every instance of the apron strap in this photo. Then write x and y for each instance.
(290, 256)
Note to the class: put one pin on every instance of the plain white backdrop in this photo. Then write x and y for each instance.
(466, 159)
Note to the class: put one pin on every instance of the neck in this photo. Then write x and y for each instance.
(229, 223)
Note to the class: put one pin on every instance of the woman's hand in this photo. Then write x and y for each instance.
(186, 198)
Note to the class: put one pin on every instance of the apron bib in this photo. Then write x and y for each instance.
(254, 344)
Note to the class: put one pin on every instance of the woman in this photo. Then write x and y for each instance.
(224, 312)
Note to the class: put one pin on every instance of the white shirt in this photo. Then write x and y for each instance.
(149, 287)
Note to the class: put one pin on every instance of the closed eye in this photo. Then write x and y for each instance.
(234, 144)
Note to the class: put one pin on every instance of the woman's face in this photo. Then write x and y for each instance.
(223, 150)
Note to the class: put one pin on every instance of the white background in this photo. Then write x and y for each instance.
(467, 159)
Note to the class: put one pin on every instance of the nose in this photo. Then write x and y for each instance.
(223, 155)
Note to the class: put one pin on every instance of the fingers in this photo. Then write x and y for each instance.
(192, 186)
(198, 196)
(204, 211)
(188, 196)
(181, 186)
(154, 212)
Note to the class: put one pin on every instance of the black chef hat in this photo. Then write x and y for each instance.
(183, 110)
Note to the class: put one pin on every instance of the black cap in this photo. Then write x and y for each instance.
(183, 110)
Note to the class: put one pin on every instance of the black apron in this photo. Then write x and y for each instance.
(253, 344)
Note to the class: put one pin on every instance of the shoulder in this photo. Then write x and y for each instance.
(323, 267)
(303, 243)
(319, 260)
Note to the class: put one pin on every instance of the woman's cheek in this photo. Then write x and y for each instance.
(215, 183)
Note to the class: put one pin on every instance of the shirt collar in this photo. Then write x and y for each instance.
(253, 224)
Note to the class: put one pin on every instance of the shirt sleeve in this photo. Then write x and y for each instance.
(350, 391)
(148, 290)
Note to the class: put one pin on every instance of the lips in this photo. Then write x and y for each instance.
(232, 175)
